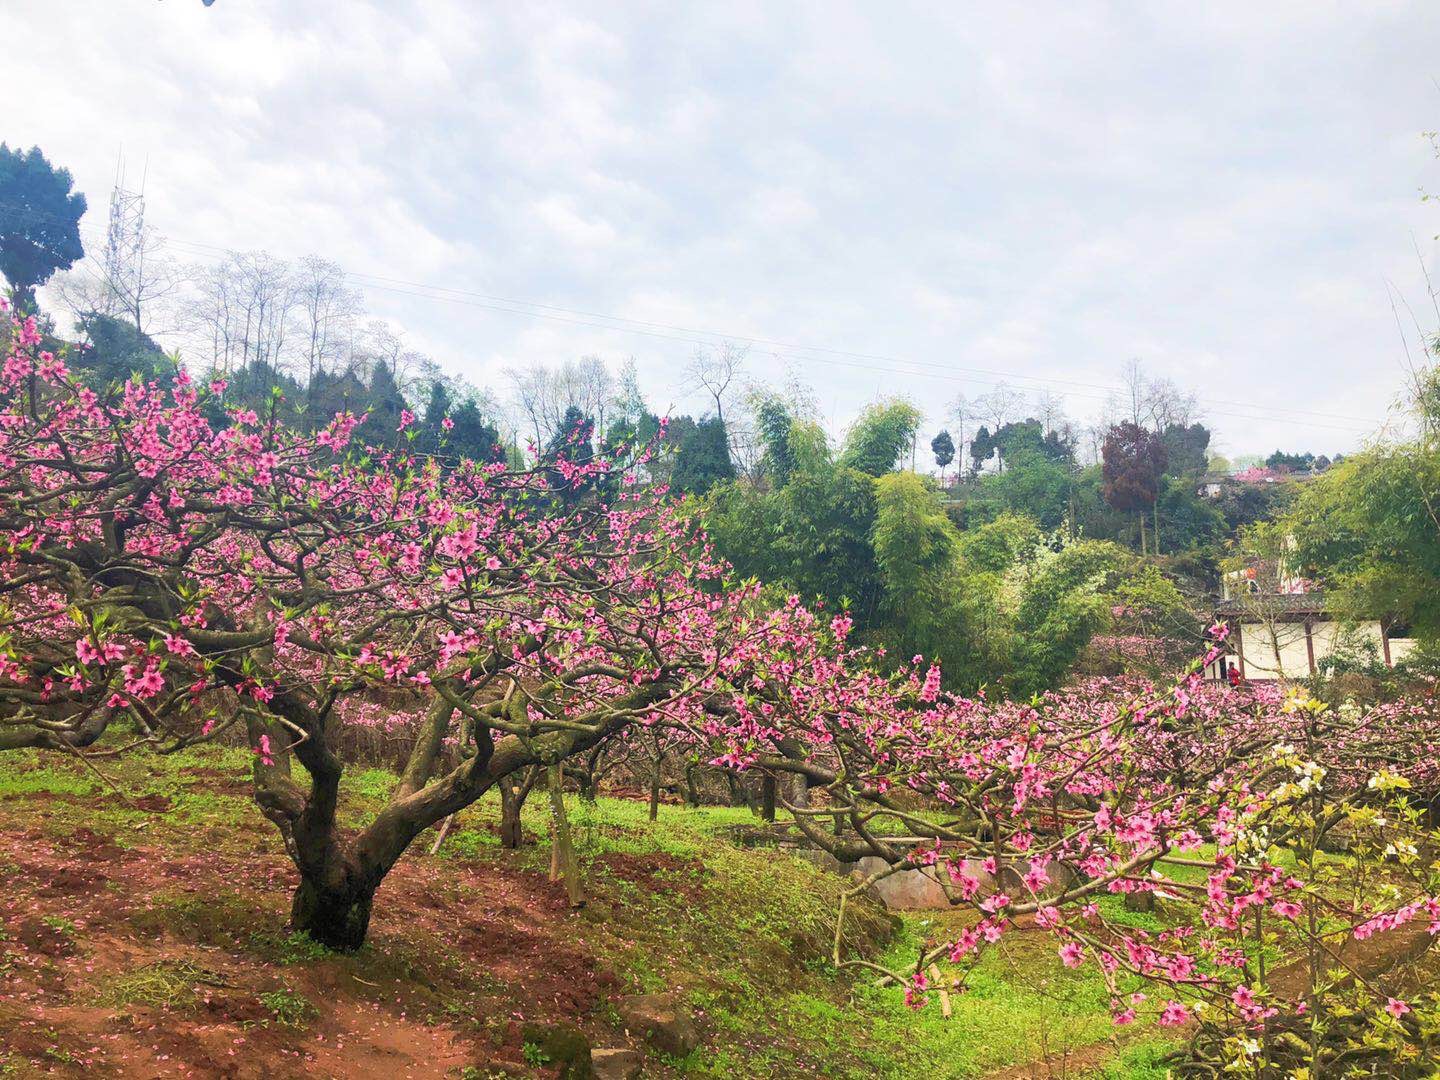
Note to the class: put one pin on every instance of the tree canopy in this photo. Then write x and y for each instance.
(943, 447)
(883, 432)
(703, 459)
(39, 221)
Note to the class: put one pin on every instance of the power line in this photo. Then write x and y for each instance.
(444, 295)
(707, 338)
(790, 350)
(795, 353)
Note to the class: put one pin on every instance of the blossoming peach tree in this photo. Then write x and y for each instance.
(1291, 867)
(165, 581)
(197, 582)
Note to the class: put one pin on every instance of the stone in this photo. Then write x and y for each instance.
(564, 1047)
(1140, 901)
(1011, 879)
(662, 1020)
(905, 890)
(617, 1063)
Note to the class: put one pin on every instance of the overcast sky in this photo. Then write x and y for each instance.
(943, 195)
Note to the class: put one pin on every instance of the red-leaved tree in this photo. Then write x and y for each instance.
(1133, 460)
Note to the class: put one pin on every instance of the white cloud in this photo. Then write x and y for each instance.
(1226, 192)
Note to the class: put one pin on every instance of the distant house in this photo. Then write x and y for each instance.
(1214, 484)
(1288, 635)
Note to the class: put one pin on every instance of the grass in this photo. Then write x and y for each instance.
(43, 779)
(1020, 1004)
(744, 934)
(1142, 1061)
(168, 986)
(288, 1007)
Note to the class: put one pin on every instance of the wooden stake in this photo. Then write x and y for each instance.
(945, 1009)
(444, 832)
(563, 860)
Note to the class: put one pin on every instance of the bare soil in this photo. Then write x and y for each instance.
(445, 983)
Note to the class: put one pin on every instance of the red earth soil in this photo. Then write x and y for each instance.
(460, 959)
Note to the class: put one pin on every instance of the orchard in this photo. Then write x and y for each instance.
(177, 571)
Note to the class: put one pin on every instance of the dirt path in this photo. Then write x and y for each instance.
(1069, 1064)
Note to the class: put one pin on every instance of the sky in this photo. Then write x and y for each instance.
(881, 199)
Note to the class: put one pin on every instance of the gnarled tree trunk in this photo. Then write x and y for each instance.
(338, 875)
(334, 908)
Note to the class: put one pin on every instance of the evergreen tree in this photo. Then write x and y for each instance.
(982, 448)
(471, 437)
(573, 439)
(116, 350)
(704, 458)
(1187, 448)
(1287, 462)
(334, 392)
(943, 447)
(39, 222)
(432, 424)
(385, 404)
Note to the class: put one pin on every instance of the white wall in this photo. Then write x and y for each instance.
(1259, 641)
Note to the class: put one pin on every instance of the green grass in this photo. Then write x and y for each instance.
(288, 1007)
(606, 826)
(1020, 1004)
(1142, 1061)
(229, 920)
(110, 805)
(27, 772)
(745, 934)
(168, 986)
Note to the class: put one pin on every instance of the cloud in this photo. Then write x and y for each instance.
(1227, 193)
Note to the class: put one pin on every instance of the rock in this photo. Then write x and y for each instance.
(1338, 838)
(662, 1020)
(618, 1063)
(905, 890)
(1011, 879)
(564, 1047)
(920, 889)
(1139, 901)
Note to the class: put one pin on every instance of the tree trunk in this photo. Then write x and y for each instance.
(1156, 533)
(1141, 516)
(590, 783)
(513, 792)
(655, 790)
(767, 798)
(338, 875)
(739, 792)
(336, 914)
(800, 790)
(692, 792)
(22, 300)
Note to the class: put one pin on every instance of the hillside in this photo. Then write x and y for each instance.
(144, 917)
